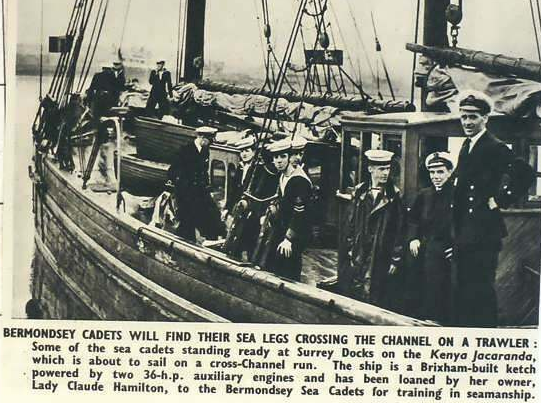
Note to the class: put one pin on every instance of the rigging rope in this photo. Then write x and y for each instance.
(535, 31)
(183, 39)
(416, 38)
(41, 55)
(360, 39)
(123, 31)
(378, 50)
(357, 83)
(259, 31)
(92, 45)
(265, 127)
(179, 34)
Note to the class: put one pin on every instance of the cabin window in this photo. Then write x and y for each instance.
(217, 180)
(231, 172)
(390, 142)
(534, 194)
(351, 146)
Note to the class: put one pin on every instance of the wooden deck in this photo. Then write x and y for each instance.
(318, 264)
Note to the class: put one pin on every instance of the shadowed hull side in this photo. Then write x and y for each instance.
(203, 277)
(75, 278)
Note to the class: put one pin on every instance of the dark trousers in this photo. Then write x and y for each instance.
(159, 100)
(288, 267)
(476, 302)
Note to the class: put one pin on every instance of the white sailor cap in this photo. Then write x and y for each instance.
(439, 158)
(160, 60)
(475, 101)
(279, 146)
(379, 157)
(298, 143)
(117, 62)
(246, 142)
(206, 131)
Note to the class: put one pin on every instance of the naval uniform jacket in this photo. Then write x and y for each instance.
(429, 220)
(102, 97)
(374, 240)
(119, 83)
(237, 186)
(479, 177)
(292, 222)
(196, 208)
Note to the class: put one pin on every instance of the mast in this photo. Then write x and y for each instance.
(434, 34)
(194, 46)
(435, 23)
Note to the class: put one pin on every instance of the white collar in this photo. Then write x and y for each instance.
(476, 138)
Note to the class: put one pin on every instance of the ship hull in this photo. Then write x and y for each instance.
(90, 241)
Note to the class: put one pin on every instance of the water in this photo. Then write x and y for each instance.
(26, 103)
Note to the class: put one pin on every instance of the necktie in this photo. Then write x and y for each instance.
(464, 151)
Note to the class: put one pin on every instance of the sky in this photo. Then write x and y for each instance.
(233, 33)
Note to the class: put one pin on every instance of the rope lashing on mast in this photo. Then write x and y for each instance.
(382, 60)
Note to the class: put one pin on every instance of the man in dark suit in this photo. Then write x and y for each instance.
(161, 91)
(485, 182)
(189, 176)
(119, 79)
(430, 242)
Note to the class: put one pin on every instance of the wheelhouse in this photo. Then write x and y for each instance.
(412, 137)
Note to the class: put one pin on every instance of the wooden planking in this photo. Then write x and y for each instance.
(518, 296)
(160, 141)
(56, 297)
(142, 178)
(341, 308)
(318, 265)
(173, 279)
(225, 286)
(105, 275)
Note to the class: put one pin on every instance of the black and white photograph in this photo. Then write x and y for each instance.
(277, 161)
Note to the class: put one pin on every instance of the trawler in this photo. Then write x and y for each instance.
(93, 260)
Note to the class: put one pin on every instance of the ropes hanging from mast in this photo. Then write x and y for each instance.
(265, 127)
(93, 44)
(381, 59)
